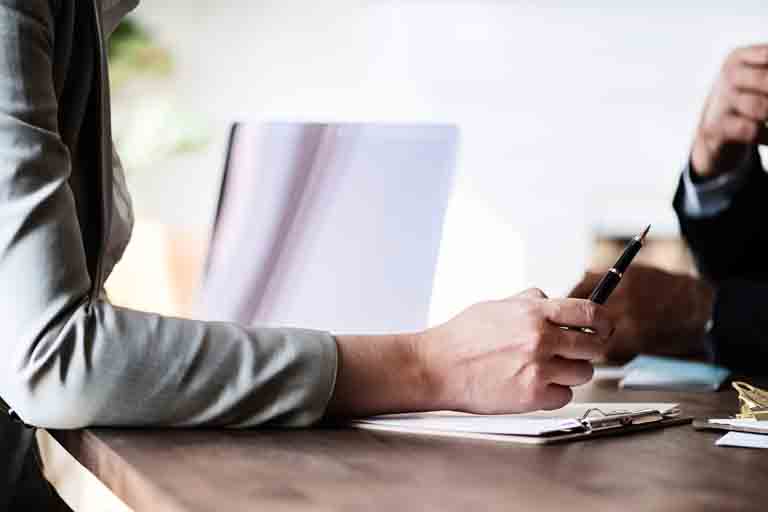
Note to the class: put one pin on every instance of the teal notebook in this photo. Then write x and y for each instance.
(665, 373)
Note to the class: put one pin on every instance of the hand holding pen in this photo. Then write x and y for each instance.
(612, 278)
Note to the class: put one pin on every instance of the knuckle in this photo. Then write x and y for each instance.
(535, 292)
(557, 309)
(529, 309)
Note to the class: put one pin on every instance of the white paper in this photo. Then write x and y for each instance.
(531, 424)
(743, 440)
(479, 424)
(753, 424)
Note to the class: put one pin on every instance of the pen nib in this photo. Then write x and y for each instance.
(645, 233)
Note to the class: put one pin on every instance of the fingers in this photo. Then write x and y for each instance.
(746, 78)
(577, 345)
(580, 313)
(554, 397)
(745, 109)
(751, 106)
(735, 128)
(566, 372)
(549, 383)
(735, 113)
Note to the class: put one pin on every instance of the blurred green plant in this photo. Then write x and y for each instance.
(133, 52)
(149, 125)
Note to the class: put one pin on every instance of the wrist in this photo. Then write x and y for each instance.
(711, 159)
(427, 356)
(702, 160)
(380, 375)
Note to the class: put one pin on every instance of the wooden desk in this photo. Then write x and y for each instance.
(672, 469)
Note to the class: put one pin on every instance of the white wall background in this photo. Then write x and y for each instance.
(575, 116)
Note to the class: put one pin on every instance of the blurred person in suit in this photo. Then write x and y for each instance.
(722, 205)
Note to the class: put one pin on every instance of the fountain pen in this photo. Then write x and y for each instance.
(612, 278)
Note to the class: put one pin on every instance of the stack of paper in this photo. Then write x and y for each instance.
(743, 440)
(747, 434)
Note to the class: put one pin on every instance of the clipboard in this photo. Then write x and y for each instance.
(595, 421)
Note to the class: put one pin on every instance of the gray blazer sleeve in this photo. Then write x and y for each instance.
(70, 360)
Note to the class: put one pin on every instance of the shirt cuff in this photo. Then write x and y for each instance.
(712, 197)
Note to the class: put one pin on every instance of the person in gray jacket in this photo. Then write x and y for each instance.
(71, 359)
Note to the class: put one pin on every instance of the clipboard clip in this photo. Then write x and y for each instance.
(597, 419)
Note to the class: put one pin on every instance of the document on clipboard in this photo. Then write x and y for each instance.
(578, 421)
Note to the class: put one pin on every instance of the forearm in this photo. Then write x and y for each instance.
(380, 374)
(107, 366)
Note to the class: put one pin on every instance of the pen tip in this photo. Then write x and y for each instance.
(645, 233)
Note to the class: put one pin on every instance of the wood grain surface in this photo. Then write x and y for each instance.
(343, 470)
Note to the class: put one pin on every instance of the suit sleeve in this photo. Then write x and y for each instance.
(730, 249)
(731, 244)
(71, 360)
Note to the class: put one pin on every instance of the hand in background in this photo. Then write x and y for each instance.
(735, 113)
(656, 312)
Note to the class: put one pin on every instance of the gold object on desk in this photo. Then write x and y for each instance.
(754, 402)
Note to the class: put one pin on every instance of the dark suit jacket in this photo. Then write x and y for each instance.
(731, 250)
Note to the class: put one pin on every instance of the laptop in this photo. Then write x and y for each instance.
(329, 226)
